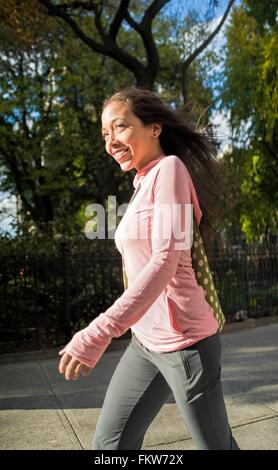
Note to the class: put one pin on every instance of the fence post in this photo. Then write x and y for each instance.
(66, 286)
(246, 276)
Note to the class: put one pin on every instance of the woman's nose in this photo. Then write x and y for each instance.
(112, 142)
(110, 138)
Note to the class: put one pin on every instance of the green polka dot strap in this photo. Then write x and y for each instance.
(202, 271)
(203, 274)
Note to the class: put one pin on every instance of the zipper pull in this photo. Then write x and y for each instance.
(135, 192)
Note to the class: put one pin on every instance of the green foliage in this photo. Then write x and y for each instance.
(250, 94)
(52, 87)
(264, 12)
(52, 155)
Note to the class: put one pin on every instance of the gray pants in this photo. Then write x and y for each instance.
(142, 382)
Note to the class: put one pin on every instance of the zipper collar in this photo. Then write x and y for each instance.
(141, 173)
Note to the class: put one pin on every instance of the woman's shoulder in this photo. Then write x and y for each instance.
(169, 158)
(173, 163)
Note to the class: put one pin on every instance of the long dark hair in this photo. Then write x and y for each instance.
(194, 148)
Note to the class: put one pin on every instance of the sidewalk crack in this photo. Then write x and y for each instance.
(61, 409)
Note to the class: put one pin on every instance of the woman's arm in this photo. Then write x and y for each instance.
(171, 187)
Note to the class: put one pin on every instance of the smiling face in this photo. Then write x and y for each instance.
(131, 143)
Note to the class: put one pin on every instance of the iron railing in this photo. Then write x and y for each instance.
(44, 299)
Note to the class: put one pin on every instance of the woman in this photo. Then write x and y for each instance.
(175, 344)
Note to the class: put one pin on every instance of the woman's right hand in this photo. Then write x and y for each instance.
(72, 368)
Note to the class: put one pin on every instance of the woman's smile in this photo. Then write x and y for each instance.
(120, 155)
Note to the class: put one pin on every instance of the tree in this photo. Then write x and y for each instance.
(50, 137)
(108, 21)
(52, 153)
(250, 93)
(26, 101)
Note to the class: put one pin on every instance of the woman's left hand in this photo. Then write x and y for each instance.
(72, 368)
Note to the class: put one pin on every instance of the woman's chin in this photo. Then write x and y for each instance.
(126, 166)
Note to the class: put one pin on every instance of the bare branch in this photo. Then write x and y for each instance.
(152, 11)
(145, 30)
(132, 22)
(53, 10)
(200, 49)
(117, 21)
(109, 46)
(98, 23)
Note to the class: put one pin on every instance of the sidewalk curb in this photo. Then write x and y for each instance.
(121, 344)
(249, 324)
(43, 354)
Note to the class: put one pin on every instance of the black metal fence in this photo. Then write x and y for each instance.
(44, 299)
(247, 281)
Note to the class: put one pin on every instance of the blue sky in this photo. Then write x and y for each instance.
(200, 5)
(181, 6)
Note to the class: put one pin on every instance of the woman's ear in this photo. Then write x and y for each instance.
(156, 129)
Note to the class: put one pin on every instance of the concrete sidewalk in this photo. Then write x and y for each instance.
(41, 410)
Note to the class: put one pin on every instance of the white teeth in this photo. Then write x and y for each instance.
(120, 154)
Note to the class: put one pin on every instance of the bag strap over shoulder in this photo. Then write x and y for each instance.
(204, 276)
(201, 269)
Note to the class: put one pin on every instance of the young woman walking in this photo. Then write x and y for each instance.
(175, 345)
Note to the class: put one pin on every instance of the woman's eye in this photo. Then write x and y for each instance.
(120, 125)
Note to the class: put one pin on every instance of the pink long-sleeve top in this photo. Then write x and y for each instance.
(164, 305)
